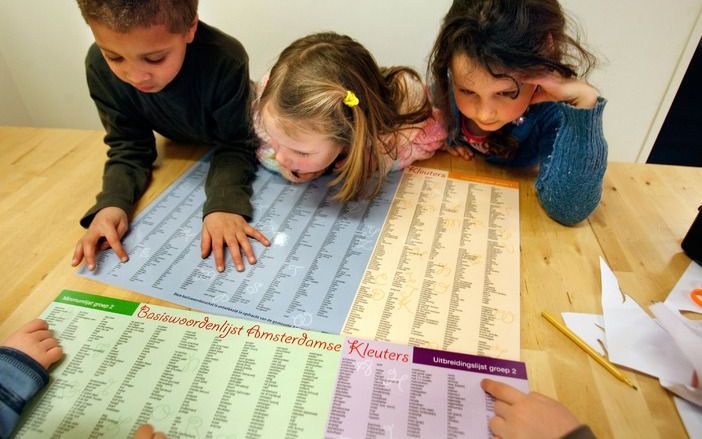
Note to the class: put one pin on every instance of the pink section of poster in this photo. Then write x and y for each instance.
(385, 390)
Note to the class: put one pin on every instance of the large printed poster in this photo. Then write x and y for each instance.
(432, 261)
(206, 376)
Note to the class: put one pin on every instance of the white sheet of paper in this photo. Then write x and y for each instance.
(588, 327)
(691, 416)
(648, 356)
(686, 333)
(634, 339)
(691, 394)
(679, 297)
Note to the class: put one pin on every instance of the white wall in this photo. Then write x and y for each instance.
(12, 109)
(44, 43)
(641, 42)
(397, 32)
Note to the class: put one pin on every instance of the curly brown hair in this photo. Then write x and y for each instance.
(529, 37)
(124, 15)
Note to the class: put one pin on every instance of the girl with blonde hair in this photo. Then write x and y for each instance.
(326, 106)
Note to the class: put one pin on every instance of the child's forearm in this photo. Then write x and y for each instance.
(228, 186)
(569, 184)
(21, 378)
(419, 143)
(126, 176)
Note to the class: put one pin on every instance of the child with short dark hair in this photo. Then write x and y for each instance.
(507, 75)
(155, 67)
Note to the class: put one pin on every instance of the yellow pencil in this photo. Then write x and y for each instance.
(611, 368)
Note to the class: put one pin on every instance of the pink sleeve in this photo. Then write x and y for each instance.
(421, 142)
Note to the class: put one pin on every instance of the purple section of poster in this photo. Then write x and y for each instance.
(469, 363)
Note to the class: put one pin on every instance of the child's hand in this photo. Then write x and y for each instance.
(461, 151)
(34, 339)
(555, 88)
(518, 415)
(146, 431)
(223, 228)
(106, 230)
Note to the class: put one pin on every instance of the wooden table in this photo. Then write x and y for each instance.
(49, 179)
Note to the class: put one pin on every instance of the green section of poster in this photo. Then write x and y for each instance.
(100, 303)
(190, 374)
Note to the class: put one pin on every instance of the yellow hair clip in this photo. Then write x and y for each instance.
(350, 100)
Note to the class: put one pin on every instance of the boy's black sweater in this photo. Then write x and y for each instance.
(206, 103)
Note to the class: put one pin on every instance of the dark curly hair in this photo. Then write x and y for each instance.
(124, 15)
(529, 37)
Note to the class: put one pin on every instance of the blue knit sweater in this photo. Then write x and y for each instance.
(21, 378)
(569, 145)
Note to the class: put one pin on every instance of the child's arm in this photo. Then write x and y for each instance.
(24, 358)
(132, 150)
(573, 160)
(571, 147)
(420, 141)
(132, 145)
(228, 186)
